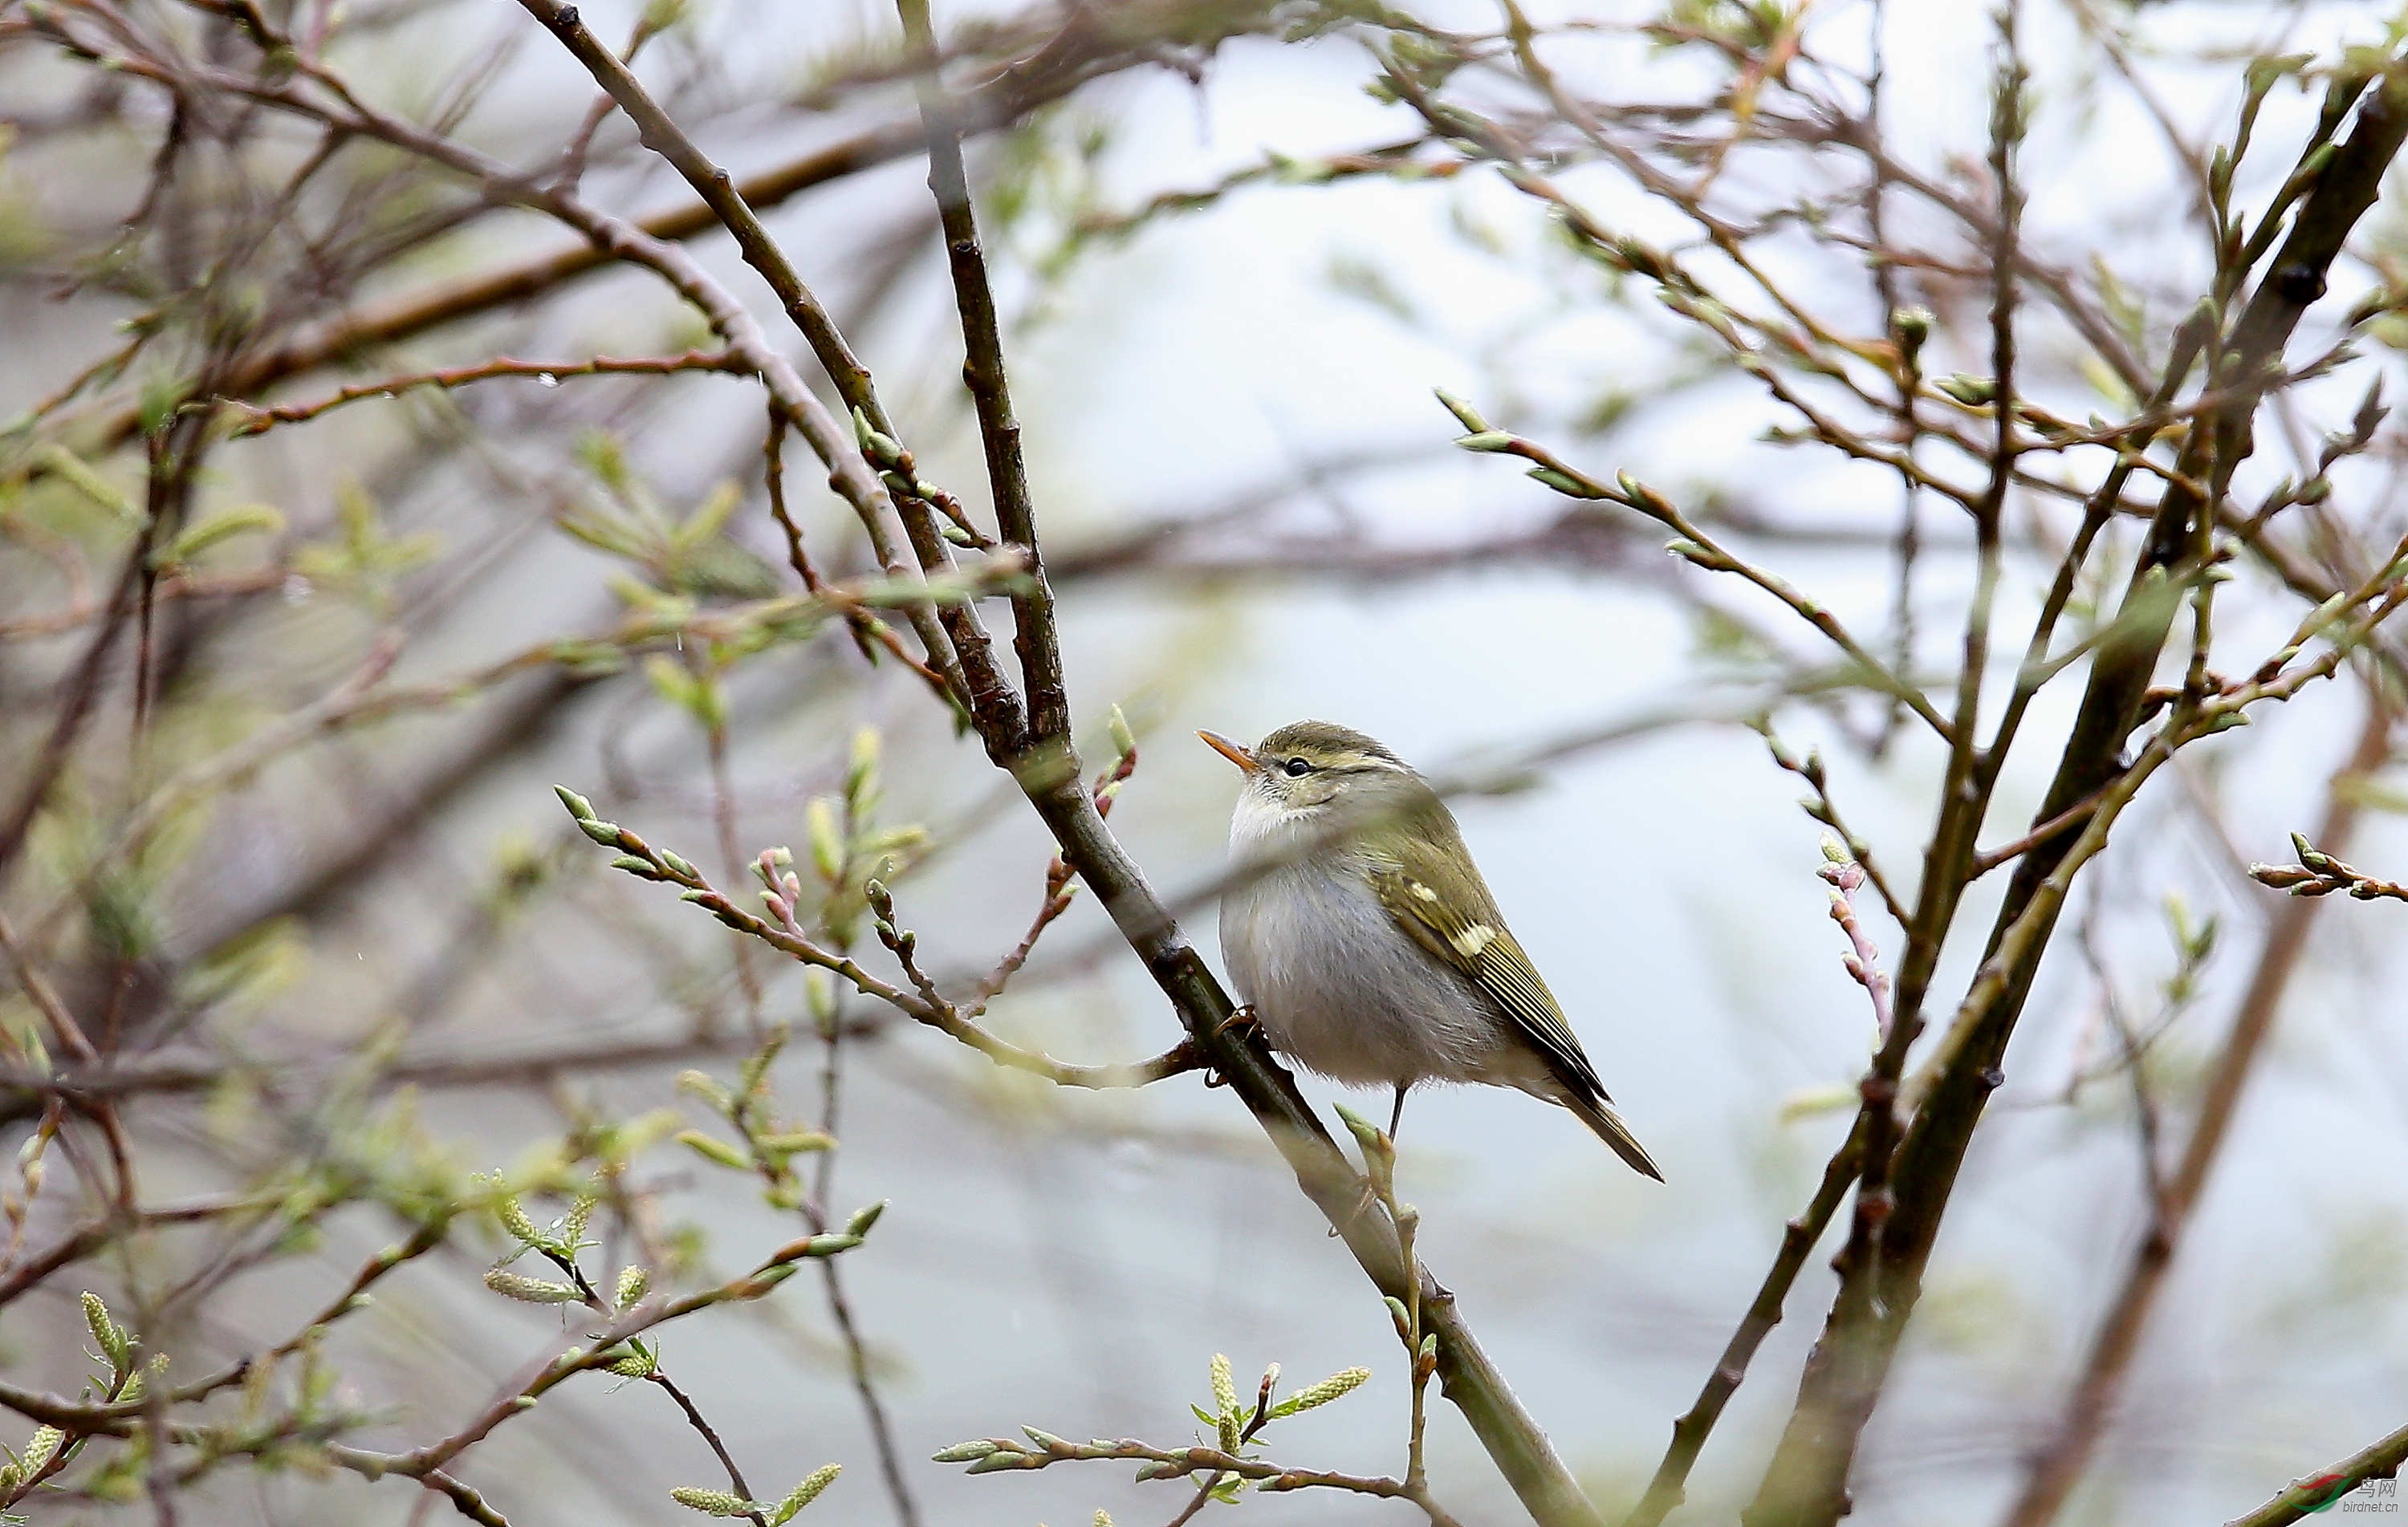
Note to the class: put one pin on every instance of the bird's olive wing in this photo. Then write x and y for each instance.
(1458, 925)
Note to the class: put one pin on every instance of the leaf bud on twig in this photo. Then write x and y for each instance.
(713, 1503)
(114, 1345)
(1336, 1387)
(528, 1291)
(605, 832)
(710, 1148)
(1465, 414)
(805, 1493)
(634, 1280)
(1564, 482)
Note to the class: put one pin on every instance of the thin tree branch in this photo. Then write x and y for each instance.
(2317, 1491)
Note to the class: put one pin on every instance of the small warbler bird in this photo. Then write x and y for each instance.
(1365, 944)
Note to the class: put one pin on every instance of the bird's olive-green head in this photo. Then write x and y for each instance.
(1307, 765)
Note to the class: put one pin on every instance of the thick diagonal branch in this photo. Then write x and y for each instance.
(1048, 772)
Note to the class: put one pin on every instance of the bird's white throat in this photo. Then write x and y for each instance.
(1263, 828)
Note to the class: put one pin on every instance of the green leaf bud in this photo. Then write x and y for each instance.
(635, 1362)
(112, 1339)
(245, 519)
(971, 1451)
(572, 1224)
(513, 1216)
(1465, 414)
(1912, 326)
(1225, 1390)
(604, 833)
(1367, 1133)
(861, 769)
(710, 1148)
(529, 1290)
(1563, 482)
(1337, 1386)
(828, 845)
(805, 1493)
(634, 1280)
(1488, 442)
(700, 1084)
(796, 1142)
(864, 1218)
(713, 1503)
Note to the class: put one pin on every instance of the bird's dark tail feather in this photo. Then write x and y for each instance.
(1599, 1115)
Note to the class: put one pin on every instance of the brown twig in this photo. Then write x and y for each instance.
(256, 420)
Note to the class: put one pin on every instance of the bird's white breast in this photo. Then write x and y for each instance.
(1335, 983)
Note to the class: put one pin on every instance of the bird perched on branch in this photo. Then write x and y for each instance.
(1365, 944)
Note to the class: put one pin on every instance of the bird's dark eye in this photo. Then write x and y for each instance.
(1297, 768)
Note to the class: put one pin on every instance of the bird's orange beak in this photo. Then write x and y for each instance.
(1243, 757)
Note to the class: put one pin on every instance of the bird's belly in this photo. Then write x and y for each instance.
(1340, 989)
